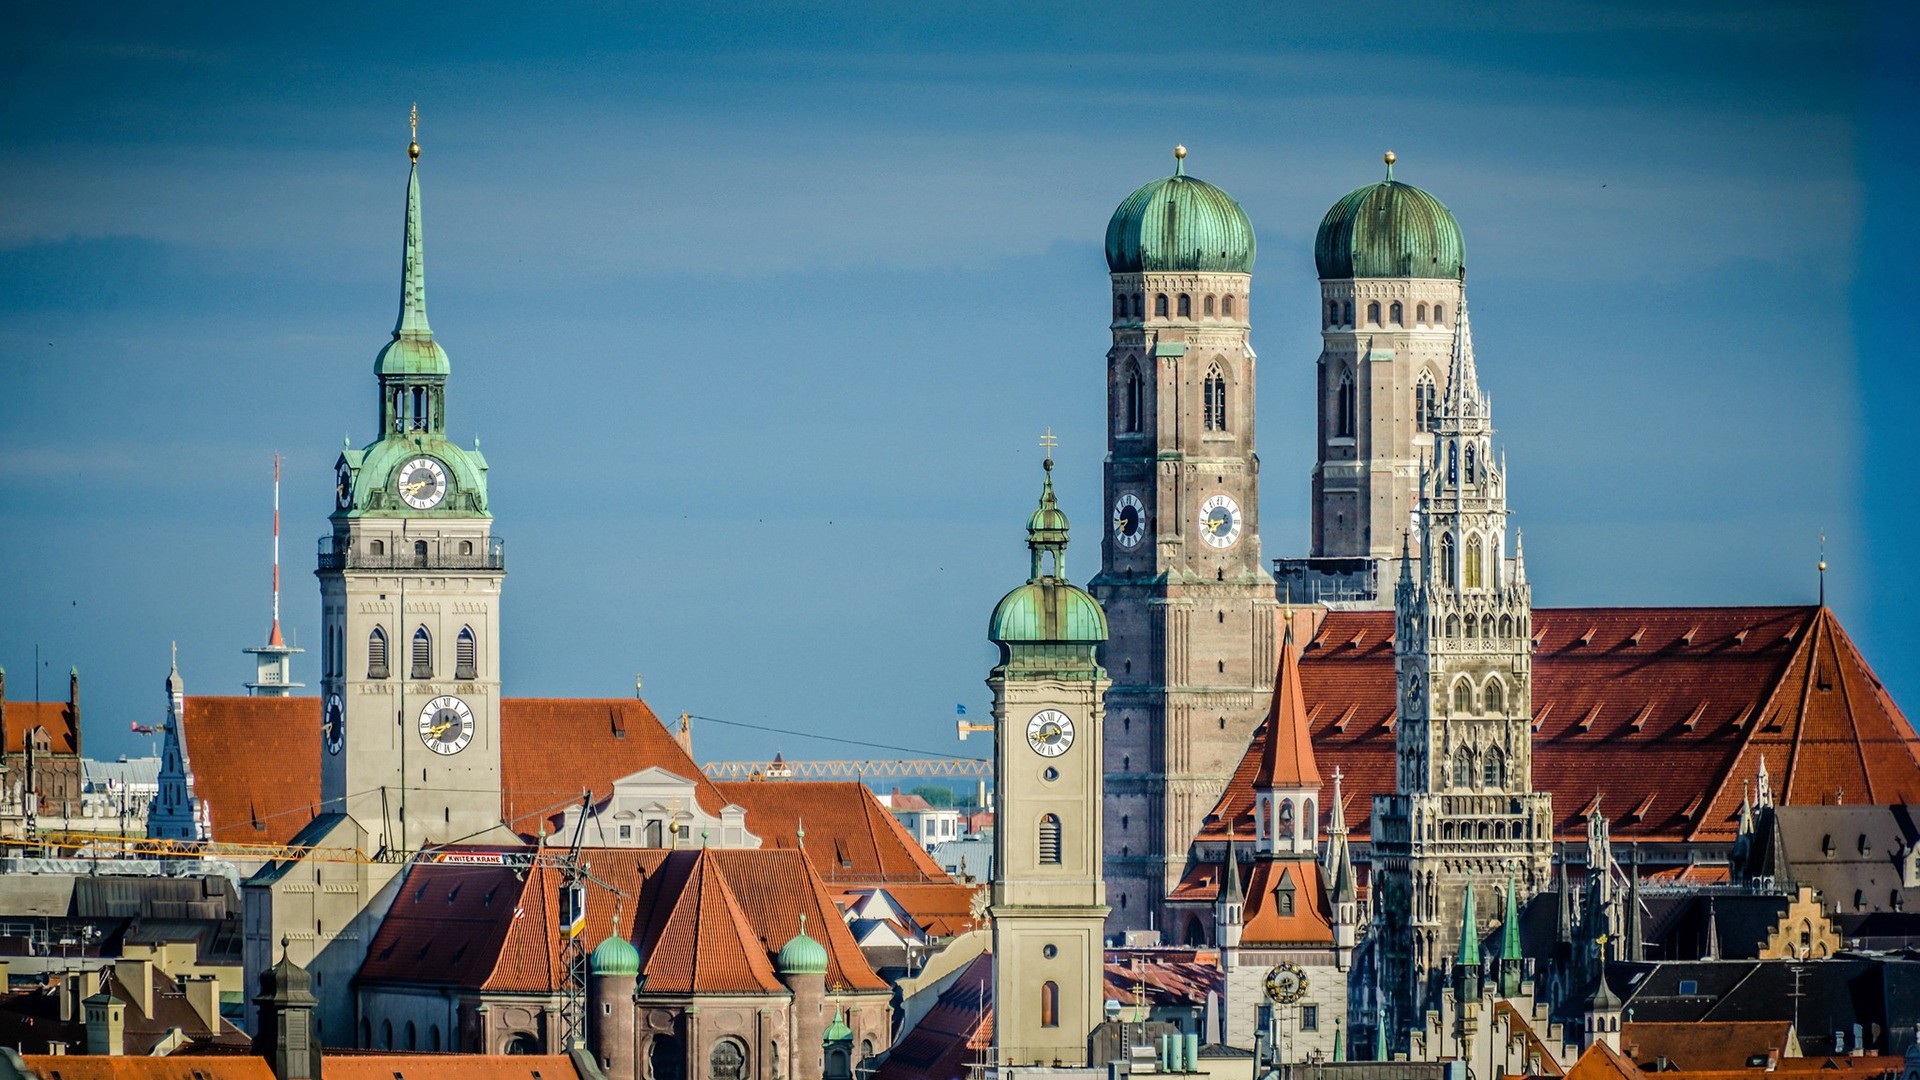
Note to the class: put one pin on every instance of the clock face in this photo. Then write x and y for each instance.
(342, 486)
(1220, 521)
(423, 483)
(1129, 521)
(1285, 984)
(446, 725)
(1050, 733)
(333, 724)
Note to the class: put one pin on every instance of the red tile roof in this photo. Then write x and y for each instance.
(447, 1067)
(1706, 1044)
(704, 921)
(1263, 923)
(942, 909)
(262, 786)
(955, 1035)
(852, 838)
(56, 716)
(1286, 747)
(102, 1067)
(1602, 1062)
(1663, 712)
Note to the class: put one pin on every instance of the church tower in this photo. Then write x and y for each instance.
(1390, 259)
(1193, 608)
(410, 601)
(1048, 902)
(1464, 657)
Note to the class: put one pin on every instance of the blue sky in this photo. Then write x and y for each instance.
(759, 310)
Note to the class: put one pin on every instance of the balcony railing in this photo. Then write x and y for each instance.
(439, 553)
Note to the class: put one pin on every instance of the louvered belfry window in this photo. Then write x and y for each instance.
(1050, 840)
(377, 654)
(422, 654)
(463, 667)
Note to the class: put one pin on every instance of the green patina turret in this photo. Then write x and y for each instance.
(1389, 230)
(838, 1031)
(802, 955)
(412, 370)
(1178, 223)
(1048, 609)
(614, 956)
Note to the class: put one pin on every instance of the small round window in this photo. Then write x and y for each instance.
(1049, 951)
(1051, 774)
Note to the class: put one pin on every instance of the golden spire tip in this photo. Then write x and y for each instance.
(413, 141)
(1179, 152)
(1389, 157)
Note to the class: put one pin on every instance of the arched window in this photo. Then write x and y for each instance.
(1207, 307)
(422, 654)
(1446, 560)
(1049, 1004)
(1119, 305)
(1186, 306)
(1136, 399)
(1453, 626)
(1283, 821)
(1216, 399)
(1495, 697)
(1472, 473)
(1506, 626)
(1398, 313)
(466, 547)
(728, 1060)
(667, 1058)
(377, 654)
(1493, 770)
(420, 552)
(1420, 315)
(1343, 406)
(1160, 304)
(386, 1034)
(377, 547)
(1307, 814)
(1137, 309)
(1462, 768)
(1050, 840)
(366, 1033)
(1226, 306)
(1333, 313)
(1373, 313)
(419, 421)
(1462, 697)
(463, 650)
(1453, 462)
(433, 1038)
(1473, 627)
(1426, 403)
(1439, 315)
(1346, 313)
(1473, 562)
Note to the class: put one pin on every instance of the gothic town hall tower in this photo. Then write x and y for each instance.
(1191, 607)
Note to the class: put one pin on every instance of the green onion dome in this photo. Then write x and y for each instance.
(614, 956)
(838, 1031)
(1178, 223)
(1389, 230)
(802, 955)
(1049, 610)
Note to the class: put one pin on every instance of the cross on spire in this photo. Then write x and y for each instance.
(1047, 443)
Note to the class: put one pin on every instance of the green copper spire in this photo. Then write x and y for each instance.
(1510, 925)
(413, 350)
(1048, 609)
(1469, 932)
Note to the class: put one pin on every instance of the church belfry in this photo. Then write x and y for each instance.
(1463, 653)
(1193, 608)
(1048, 902)
(410, 579)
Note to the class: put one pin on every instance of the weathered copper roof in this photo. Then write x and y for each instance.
(1179, 223)
(1389, 230)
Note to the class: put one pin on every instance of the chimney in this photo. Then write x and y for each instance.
(72, 991)
(137, 977)
(203, 993)
(106, 1025)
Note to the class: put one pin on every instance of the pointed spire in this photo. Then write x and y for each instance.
(1565, 890)
(1230, 875)
(413, 267)
(1047, 527)
(1510, 924)
(1339, 855)
(1463, 381)
(1713, 933)
(1469, 931)
(1745, 828)
(1763, 798)
(1631, 945)
(1286, 753)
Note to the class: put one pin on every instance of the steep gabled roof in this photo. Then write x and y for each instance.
(1661, 710)
(184, 1067)
(1286, 745)
(1264, 923)
(955, 1035)
(852, 838)
(56, 716)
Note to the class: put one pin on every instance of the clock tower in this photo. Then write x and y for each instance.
(1048, 901)
(410, 581)
(1193, 609)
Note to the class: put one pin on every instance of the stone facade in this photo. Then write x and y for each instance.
(1191, 607)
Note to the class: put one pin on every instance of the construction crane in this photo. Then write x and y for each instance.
(870, 769)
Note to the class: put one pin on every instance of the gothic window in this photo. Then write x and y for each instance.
(422, 654)
(1136, 399)
(1160, 304)
(1311, 819)
(1398, 313)
(1207, 309)
(463, 650)
(1471, 473)
(386, 1034)
(1462, 697)
(1420, 315)
(1226, 306)
(1333, 313)
(1473, 623)
(1439, 315)
(1049, 1004)
(1446, 568)
(1473, 562)
(1462, 768)
(1506, 626)
(1283, 898)
(1343, 406)
(1346, 313)
(1453, 463)
(1495, 697)
(1050, 840)
(377, 654)
(1138, 311)
(1186, 306)
(1493, 771)
(1119, 306)
(1426, 403)
(1216, 400)
(1373, 313)
(1283, 821)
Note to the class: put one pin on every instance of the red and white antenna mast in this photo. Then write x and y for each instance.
(274, 638)
(274, 675)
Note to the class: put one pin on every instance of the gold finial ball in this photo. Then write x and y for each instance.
(1823, 566)
(1179, 153)
(413, 152)
(1390, 157)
